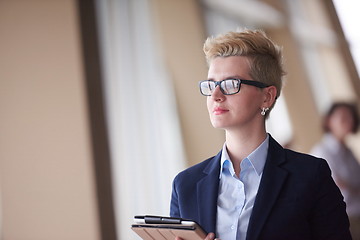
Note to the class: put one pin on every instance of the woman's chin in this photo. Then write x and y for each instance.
(217, 124)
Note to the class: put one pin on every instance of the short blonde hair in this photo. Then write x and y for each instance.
(266, 60)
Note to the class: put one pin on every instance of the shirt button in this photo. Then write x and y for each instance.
(232, 227)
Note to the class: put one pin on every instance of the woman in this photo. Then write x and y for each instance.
(342, 120)
(253, 188)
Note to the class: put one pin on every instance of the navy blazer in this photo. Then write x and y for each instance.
(297, 198)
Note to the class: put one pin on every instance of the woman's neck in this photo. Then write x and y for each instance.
(241, 143)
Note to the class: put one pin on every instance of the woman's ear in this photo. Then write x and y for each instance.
(269, 96)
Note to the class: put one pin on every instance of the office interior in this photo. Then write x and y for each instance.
(100, 106)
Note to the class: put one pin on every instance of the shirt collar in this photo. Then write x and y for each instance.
(225, 161)
(257, 158)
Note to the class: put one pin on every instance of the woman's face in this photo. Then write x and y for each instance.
(341, 122)
(239, 110)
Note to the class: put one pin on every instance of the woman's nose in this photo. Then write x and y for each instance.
(217, 94)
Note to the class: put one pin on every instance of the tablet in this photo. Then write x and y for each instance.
(150, 227)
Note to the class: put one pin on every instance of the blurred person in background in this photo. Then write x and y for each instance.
(254, 189)
(342, 120)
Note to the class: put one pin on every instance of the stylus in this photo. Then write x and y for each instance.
(164, 220)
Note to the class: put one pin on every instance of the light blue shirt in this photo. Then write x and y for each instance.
(237, 195)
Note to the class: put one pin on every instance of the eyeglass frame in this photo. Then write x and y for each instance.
(247, 82)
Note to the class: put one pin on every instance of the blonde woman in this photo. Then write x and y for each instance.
(253, 188)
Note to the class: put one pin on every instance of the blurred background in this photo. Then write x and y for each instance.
(100, 106)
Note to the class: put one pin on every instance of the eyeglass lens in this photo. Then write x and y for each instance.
(228, 86)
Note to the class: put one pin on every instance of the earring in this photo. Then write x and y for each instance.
(264, 110)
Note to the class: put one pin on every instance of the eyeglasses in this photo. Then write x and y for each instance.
(227, 86)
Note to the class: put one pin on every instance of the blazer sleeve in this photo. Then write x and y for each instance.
(329, 219)
(174, 204)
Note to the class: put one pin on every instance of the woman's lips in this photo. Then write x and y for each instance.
(219, 111)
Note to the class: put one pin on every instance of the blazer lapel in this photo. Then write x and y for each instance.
(207, 191)
(269, 189)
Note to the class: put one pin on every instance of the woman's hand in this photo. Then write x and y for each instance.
(210, 236)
